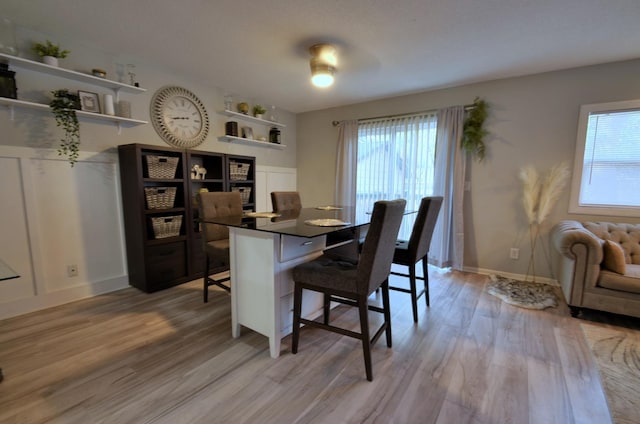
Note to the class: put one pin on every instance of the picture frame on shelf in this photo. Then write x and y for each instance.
(89, 102)
(247, 132)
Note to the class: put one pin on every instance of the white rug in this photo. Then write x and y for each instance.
(524, 294)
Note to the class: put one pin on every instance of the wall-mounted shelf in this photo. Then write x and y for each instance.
(11, 103)
(232, 139)
(67, 73)
(250, 118)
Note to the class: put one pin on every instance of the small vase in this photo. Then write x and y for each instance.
(50, 60)
(259, 115)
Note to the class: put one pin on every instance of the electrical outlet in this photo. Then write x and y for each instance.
(72, 270)
(514, 253)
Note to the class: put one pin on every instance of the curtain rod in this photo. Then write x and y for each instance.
(466, 108)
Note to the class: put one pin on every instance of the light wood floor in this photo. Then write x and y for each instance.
(131, 357)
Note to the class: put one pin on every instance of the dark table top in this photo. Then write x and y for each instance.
(295, 223)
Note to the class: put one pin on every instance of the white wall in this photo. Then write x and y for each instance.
(53, 215)
(533, 121)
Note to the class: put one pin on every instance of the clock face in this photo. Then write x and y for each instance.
(179, 117)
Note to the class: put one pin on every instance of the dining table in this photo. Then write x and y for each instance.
(265, 246)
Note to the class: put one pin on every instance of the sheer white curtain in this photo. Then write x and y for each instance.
(346, 163)
(447, 244)
(396, 159)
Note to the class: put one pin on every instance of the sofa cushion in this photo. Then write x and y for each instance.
(630, 282)
(613, 257)
(626, 235)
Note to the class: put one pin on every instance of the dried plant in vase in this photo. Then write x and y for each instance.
(539, 196)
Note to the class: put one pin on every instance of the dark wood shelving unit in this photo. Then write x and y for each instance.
(158, 263)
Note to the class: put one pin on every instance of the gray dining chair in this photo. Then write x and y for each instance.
(352, 283)
(215, 238)
(410, 252)
(285, 201)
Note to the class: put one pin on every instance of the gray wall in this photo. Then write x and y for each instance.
(533, 121)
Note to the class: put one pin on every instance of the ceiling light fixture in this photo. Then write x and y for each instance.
(323, 64)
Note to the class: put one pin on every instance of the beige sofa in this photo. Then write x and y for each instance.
(599, 265)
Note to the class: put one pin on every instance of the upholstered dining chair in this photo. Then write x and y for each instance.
(351, 283)
(285, 201)
(409, 253)
(215, 238)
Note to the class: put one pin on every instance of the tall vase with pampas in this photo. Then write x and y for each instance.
(539, 197)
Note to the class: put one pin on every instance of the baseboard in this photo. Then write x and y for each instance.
(520, 277)
(60, 297)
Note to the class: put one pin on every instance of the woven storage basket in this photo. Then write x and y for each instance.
(166, 226)
(238, 171)
(160, 197)
(245, 193)
(162, 166)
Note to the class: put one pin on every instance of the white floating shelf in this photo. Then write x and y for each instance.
(11, 103)
(232, 139)
(67, 73)
(250, 118)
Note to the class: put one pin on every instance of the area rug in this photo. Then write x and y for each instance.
(617, 354)
(524, 294)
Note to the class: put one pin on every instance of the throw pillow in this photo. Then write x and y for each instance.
(613, 257)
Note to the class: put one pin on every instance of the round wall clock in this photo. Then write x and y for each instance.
(179, 117)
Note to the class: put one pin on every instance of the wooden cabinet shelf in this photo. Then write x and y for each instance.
(155, 264)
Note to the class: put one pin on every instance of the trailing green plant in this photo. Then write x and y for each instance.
(64, 106)
(473, 132)
(258, 110)
(49, 49)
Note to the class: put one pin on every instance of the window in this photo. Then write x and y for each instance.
(607, 163)
(396, 159)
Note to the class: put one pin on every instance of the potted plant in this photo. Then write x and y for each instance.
(64, 106)
(258, 111)
(49, 52)
(473, 132)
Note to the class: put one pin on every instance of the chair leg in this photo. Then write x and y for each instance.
(387, 310)
(425, 272)
(414, 296)
(327, 308)
(206, 279)
(297, 310)
(364, 334)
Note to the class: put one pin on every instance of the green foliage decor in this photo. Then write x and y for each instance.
(473, 133)
(258, 110)
(49, 49)
(64, 106)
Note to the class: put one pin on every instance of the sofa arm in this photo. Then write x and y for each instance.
(569, 236)
(580, 257)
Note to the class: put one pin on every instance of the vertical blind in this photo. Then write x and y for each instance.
(396, 159)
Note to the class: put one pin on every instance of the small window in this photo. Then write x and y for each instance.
(606, 174)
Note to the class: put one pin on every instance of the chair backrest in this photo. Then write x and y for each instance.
(215, 205)
(423, 228)
(375, 260)
(285, 201)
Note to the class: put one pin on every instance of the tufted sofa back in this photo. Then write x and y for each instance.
(627, 235)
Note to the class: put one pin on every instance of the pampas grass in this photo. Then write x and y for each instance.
(538, 198)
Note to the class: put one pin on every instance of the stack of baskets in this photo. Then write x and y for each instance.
(160, 197)
(162, 166)
(238, 171)
(245, 193)
(166, 226)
